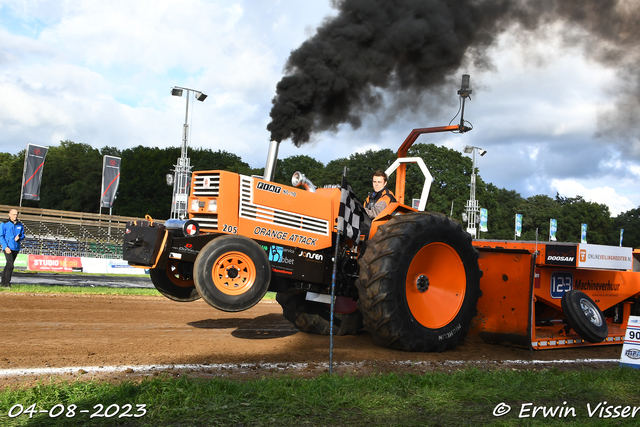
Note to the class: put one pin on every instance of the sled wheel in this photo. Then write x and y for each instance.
(419, 283)
(314, 317)
(175, 281)
(232, 273)
(584, 316)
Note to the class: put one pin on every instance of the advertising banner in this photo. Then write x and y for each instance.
(118, 266)
(32, 173)
(553, 228)
(630, 356)
(54, 263)
(483, 220)
(61, 263)
(583, 233)
(621, 232)
(600, 256)
(110, 180)
(561, 255)
(518, 225)
(21, 262)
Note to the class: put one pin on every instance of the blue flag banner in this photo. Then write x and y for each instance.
(621, 232)
(518, 225)
(583, 234)
(553, 228)
(483, 220)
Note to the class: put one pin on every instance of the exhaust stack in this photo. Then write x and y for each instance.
(272, 159)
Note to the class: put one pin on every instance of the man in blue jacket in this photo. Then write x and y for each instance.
(11, 233)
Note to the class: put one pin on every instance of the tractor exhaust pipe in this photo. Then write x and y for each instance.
(272, 159)
(298, 179)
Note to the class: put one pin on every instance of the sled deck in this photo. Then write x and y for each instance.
(545, 295)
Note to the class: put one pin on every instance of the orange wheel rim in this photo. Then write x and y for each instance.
(436, 285)
(177, 278)
(234, 273)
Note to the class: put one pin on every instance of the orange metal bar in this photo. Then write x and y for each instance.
(402, 151)
(401, 172)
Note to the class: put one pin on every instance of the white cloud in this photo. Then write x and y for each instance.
(604, 195)
(100, 73)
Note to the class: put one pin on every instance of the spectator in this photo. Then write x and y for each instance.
(11, 233)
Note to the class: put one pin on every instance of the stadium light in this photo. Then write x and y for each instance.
(472, 210)
(465, 90)
(182, 171)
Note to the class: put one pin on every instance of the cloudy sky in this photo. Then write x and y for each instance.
(100, 72)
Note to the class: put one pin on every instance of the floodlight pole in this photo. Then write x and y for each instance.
(473, 209)
(472, 204)
(182, 170)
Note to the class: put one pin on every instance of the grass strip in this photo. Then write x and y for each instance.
(91, 290)
(35, 273)
(465, 397)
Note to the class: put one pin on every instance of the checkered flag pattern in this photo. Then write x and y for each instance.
(351, 216)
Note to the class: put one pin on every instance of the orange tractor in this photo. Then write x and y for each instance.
(415, 280)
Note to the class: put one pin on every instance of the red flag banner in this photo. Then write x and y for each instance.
(110, 180)
(32, 175)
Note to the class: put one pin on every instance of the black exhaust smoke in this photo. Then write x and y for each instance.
(409, 47)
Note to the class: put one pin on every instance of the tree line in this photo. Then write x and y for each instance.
(71, 181)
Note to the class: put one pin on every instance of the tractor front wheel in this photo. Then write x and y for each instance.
(232, 273)
(419, 283)
(175, 281)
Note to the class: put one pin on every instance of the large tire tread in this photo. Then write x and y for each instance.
(579, 321)
(386, 313)
(182, 290)
(314, 318)
(234, 246)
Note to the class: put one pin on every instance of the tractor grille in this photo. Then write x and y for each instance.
(207, 221)
(212, 190)
(276, 216)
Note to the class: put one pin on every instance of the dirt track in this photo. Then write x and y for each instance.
(57, 331)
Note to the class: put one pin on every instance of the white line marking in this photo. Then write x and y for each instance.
(242, 367)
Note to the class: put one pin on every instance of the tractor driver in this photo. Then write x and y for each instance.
(378, 200)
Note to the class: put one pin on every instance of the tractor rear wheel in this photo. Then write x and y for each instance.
(232, 273)
(175, 281)
(419, 283)
(314, 317)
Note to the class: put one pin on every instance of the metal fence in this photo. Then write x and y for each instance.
(63, 233)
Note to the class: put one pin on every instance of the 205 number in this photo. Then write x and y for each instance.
(229, 229)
